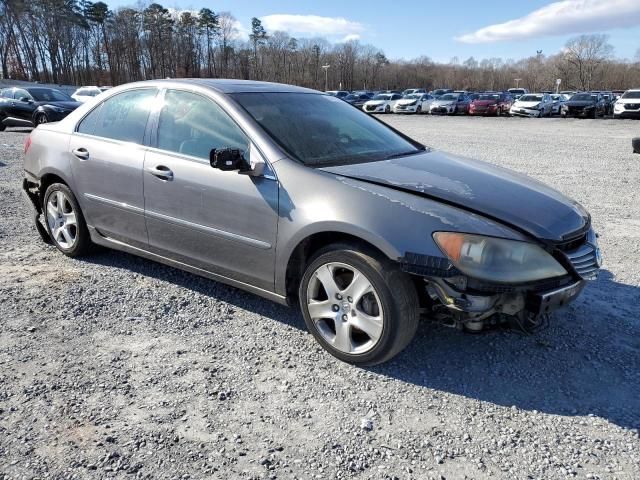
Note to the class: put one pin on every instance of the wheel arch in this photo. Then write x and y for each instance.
(48, 178)
(300, 254)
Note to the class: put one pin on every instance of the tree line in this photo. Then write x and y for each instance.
(82, 42)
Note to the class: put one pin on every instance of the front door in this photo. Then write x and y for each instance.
(107, 157)
(223, 222)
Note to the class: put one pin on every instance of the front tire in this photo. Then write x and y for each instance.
(348, 304)
(387, 109)
(40, 118)
(65, 222)
(636, 145)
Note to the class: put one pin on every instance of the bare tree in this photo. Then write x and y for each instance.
(586, 54)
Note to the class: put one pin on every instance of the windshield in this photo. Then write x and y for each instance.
(48, 95)
(531, 98)
(583, 97)
(412, 95)
(88, 93)
(488, 97)
(516, 90)
(351, 97)
(385, 96)
(635, 94)
(319, 130)
(448, 96)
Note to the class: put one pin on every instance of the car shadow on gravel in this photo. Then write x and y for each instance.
(198, 284)
(584, 363)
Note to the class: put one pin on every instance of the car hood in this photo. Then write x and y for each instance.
(71, 105)
(484, 103)
(494, 192)
(442, 103)
(521, 104)
(376, 102)
(407, 101)
(579, 103)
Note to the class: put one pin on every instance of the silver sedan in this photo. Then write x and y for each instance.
(296, 196)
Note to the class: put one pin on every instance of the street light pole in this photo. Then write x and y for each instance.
(326, 73)
(517, 82)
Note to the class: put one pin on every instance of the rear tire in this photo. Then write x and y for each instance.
(636, 145)
(64, 221)
(387, 109)
(2, 125)
(334, 306)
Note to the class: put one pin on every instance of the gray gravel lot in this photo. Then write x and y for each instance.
(117, 367)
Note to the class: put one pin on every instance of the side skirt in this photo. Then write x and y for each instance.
(96, 237)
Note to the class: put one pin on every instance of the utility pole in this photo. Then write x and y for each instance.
(517, 80)
(326, 76)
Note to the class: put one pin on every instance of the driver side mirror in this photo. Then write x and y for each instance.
(26, 99)
(228, 159)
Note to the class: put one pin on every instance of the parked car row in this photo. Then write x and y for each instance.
(514, 102)
(30, 106)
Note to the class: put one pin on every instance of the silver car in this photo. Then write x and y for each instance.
(296, 196)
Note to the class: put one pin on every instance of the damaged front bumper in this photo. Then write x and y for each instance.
(464, 302)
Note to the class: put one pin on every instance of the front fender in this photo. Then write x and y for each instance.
(395, 222)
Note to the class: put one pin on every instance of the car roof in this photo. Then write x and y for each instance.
(231, 85)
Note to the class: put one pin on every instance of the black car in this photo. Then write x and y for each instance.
(357, 100)
(31, 106)
(586, 105)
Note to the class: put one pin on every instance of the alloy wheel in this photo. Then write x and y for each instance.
(42, 118)
(62, 220)
(345, 308)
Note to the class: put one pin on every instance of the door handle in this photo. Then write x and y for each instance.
(81, 153)
(160, 171)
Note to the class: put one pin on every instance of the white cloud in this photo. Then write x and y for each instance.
(559, 18)
(351, 37)
(313, 25)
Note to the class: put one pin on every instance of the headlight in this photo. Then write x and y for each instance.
(497, 259)
(535, 107)
(57, 109)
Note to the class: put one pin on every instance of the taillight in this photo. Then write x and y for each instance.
(27, 144)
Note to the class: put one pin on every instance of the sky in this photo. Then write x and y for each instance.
(468, 28)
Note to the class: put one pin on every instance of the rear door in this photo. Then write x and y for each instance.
(223, 222)
(107, 156)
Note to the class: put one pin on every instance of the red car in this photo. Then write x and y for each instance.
(491, 104)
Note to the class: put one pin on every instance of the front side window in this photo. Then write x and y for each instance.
(124, 116)
(320, 130)
(20, 94)
(194, 125)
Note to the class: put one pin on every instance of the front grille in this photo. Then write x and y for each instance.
(585, 261)
(632, 106)
(371, 108)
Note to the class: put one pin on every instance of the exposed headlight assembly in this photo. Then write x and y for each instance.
(497, 259)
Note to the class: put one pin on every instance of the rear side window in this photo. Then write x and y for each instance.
(122, 117)
(6, 93)
(88, 123)
(194, 125)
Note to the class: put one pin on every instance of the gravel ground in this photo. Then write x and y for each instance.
(117, 367)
